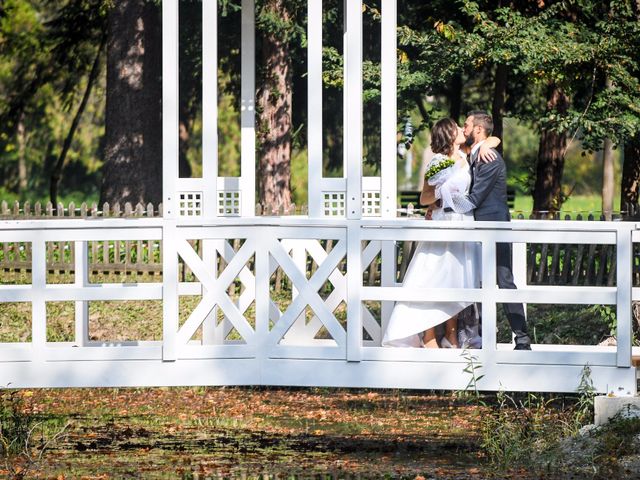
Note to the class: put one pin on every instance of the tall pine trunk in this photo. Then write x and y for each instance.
(275, 112)
(21, 136)
(133, 144)
(630, 191)
(455, 97)
(607, 179)
(547, 194)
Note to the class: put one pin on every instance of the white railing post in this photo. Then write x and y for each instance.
(38, 304)
(388, 274)
(354, 292)
(169, 290)
(263, 300)
(81, 262)
(353, 153)
(624, 284)
(489, 306)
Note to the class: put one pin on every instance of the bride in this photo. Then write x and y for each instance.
(440, 264)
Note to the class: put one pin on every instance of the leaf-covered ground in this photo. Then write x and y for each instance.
(248, 432)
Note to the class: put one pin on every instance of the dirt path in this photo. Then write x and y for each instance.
(247, 432)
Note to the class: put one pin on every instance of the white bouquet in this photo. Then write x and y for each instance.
(450, 182)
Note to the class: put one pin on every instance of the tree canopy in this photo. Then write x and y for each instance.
(567, 70)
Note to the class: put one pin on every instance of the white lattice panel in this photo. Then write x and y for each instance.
(371, 203)
(334, 204)
(190, 204)
(229, 203)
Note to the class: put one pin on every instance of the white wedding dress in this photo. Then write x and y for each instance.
(434, 265)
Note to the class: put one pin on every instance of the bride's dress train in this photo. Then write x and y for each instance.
(434, 265)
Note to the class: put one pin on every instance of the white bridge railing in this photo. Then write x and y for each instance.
(327, 333)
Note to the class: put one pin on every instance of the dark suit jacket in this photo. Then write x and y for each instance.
(489, 189)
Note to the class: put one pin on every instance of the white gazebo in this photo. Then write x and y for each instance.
(316, 339)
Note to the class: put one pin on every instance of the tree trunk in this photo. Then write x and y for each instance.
(630, 189)
(547, 195)
(607, 179)
(21, 136)
(133, 145)
(455, 97)
(608, 186)
(499, 98)
(275, 110)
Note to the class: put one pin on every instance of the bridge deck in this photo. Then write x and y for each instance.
(328, 332)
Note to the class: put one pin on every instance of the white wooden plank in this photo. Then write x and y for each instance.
(16, 293)
(453, 234)
(123, 291)
(531, 294)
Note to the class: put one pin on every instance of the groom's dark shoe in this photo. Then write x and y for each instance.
(522, 346)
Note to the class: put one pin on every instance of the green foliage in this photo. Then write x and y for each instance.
(577, 45)
(46, 52)
(586, 393)
(472, 368)
(15, 424)
(526, 430)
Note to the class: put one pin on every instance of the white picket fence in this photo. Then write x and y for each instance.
(329, 334)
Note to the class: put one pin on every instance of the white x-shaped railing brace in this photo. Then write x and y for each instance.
(308, 292)
(216, 293)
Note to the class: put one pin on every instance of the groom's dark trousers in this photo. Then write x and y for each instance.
(488, 193)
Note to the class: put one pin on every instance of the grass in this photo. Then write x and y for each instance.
(575, 203)
(246, 432)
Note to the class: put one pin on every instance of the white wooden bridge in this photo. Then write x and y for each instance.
(329, 339)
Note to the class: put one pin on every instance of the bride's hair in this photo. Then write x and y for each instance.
(443, 134)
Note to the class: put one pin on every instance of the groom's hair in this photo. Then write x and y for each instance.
(483, 119)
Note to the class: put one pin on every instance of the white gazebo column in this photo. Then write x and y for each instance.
(210, 103)
(170, 95)
(389, 109)
(388, 162)
(247, 110)
(210, 334)
(353, 167)
(170, 175)
(353, 107)
(314, 107)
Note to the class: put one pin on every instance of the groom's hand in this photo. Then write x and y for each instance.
(487, 155)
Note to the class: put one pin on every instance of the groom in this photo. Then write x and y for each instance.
(488, 193)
